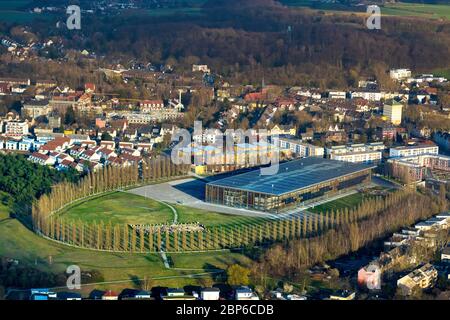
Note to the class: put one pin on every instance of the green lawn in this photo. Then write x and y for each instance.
(19, 243)
(120, 208)
(350, 201)
(433, 11)
(209, 260)
(212, 219)
(13, 11)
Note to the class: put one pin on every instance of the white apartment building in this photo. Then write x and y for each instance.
(407, 151)
(355, 147)
(364, 156)
(399, 74)
(16, 128)
(147, 106)
(300, 148)
(370, 152)
(368, 95)
(337, 95)
(11, 145)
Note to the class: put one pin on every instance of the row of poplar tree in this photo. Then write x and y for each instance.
(127, 238)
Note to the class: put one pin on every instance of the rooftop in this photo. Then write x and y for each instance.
(291, 176)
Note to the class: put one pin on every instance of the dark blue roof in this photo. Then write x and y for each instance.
(292, 176)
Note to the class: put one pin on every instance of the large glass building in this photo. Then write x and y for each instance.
(296, 182)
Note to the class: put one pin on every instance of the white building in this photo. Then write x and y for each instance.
(210, 294)
(368, 95)
(300, 148)
(41, 159)
(445, 254)
(11, 145)
(245, 293)
(399, 74)
(364, 156)
(16, 128)
(200, 67)
(370, 152)
(337, 95)
(407, 151)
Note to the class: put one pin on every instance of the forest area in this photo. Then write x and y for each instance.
(245, 41)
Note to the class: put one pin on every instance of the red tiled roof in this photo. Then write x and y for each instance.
(40, 156)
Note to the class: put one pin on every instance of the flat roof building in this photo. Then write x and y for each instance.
(296, 181)
(393, 112)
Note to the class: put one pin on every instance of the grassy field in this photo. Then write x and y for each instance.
(120, 208)
(19, 243)
(13, 11)
(350, 201)
(212, 219)
(431, 11)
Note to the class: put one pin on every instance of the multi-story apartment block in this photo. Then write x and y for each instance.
(393, 112)
(400, 74)
(363, 156)
(16, 128)
(414, 150)
(147, 106)
(413, 168)
(421, 278)
(371, 152)
(299, 148)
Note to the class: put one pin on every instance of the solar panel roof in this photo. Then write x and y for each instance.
(291, 176)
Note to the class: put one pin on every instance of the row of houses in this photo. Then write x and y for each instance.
(241, 293)
(65, 152)
(425, 276)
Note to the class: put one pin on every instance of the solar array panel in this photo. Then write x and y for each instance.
(291, 176)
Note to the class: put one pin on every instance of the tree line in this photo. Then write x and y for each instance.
(148, 238)
(399, 210)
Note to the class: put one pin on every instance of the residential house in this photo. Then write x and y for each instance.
(110, 295)
(210, 294)
(176, 294)
(421, 278)
(41, 159)
(245, 293)
(90, 155)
